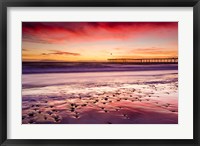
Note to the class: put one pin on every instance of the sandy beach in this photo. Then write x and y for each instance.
(119, 97)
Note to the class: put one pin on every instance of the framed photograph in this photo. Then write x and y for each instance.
(99, 72)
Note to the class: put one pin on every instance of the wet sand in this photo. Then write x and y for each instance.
(101, 98)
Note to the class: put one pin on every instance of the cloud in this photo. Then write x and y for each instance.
(24, 49)
(118, 49)
(154, 51)
(54, 52)
(61, 32)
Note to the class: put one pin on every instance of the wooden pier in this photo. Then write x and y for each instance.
(145, 60)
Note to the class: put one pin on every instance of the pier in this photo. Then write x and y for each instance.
(145, 60)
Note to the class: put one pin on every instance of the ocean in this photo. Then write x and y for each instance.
(67, 67)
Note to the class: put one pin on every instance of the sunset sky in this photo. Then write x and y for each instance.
(98, 41)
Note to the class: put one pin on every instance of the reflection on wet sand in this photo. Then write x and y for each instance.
(101, 98)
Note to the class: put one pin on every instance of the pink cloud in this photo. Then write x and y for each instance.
(60, 32)
(61, 53)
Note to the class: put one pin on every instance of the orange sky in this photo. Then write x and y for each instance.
(98, 41)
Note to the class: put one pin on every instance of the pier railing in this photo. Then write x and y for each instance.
(145, 60)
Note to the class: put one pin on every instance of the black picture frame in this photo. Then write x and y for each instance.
(4, 4)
